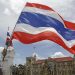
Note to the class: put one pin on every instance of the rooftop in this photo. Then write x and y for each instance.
(55, 59)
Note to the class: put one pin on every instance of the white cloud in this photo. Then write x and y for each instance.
(7, 11)
(58, 54)
(16, 5)
(2, 1)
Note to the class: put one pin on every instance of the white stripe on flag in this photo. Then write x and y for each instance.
(32, 30)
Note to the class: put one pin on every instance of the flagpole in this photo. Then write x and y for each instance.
(4, 53)
(16, 24)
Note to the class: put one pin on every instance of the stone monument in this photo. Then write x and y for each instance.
(8, 61)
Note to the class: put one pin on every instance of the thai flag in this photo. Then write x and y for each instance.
(39, 22)
(8, 39)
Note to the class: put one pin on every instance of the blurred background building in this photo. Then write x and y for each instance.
(50, 66)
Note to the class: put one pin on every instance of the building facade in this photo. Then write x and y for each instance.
(50, 66)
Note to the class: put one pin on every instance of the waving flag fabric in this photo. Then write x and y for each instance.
(8, 40)
(39, 22)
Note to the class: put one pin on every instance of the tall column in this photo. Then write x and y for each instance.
(8, 62)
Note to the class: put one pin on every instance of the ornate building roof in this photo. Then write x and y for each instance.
(55, 59)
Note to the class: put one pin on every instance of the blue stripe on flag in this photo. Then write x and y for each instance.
(40, 20)
(8, 34)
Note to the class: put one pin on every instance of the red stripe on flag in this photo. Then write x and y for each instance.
(39, 6)
(30, 38)
(69, 25)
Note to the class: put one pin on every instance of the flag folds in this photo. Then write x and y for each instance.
(8, 40)
(39, 22)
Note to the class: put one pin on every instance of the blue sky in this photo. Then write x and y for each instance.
(9, 13)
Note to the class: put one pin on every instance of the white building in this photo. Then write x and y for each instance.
(8, 61)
